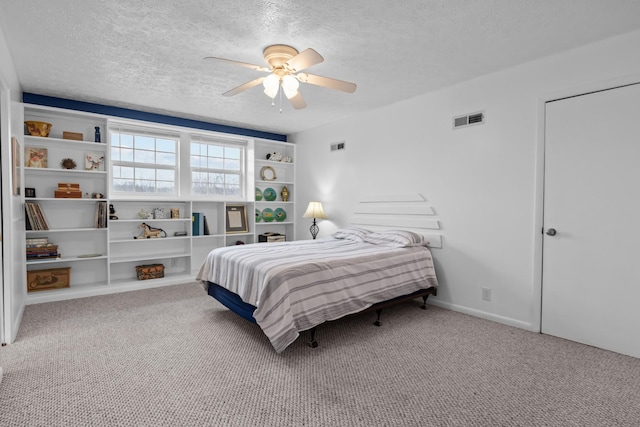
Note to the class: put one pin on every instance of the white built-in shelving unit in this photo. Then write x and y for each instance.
(115, 252)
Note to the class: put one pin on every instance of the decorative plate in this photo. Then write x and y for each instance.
(280, 214)
(267, 215)
(258, 215)
(269, 194)
(258, 194)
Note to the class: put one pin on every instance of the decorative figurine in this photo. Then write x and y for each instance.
(149, 232)
(285, 194)
(112, 213)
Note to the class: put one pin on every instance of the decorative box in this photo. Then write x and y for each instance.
(76, 136)
(150, 271)
(67, 190)
(272, 237)
(52, 278)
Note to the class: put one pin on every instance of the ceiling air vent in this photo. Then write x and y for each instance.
(468, 120)
(338, 146)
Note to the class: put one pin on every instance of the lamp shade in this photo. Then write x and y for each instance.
(271, 85)
(314, 210)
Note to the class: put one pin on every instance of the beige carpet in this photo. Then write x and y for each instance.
(175, 357)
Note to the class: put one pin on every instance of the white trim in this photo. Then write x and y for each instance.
(484, 315)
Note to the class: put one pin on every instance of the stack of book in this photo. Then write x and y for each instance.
(40, 248)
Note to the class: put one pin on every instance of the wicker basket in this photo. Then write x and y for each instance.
(150, 271)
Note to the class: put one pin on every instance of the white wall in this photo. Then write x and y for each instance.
(484, 182)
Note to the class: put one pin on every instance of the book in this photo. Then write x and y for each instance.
(197, 224)
(100, 217)
(206, 226)
(37, 241)
(36, 217)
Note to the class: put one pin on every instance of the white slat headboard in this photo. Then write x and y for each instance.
(399, 211)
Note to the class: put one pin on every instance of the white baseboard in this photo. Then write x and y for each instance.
(484, 315)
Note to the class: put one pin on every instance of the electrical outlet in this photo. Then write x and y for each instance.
(486, 294)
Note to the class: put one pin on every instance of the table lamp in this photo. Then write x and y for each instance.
(315, 211)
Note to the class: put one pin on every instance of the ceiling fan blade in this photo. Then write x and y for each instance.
(327, 82)
(242, 88)
(242, 64)
(298, 101)
(304, 59)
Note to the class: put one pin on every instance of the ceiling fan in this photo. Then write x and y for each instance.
(285, 66)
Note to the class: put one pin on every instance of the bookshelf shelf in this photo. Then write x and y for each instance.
(71, 222)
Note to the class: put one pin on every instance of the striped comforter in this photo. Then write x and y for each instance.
(298, 285)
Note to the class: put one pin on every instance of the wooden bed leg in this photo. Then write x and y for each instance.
(377, 322)
(313, 343)
(424, 302)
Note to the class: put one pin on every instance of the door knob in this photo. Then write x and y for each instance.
(551, 232)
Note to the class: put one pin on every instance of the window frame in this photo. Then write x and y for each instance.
(242, 173)
(144, 131)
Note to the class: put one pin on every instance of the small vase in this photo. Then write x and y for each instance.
(97, 139)
(285, 194)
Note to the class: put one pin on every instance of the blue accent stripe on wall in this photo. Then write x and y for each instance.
(69, 104)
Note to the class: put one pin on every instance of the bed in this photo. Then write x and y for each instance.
(291, 287)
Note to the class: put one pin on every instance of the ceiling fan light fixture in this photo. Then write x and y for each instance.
(290, 86)
(271, 84)
(271, 92)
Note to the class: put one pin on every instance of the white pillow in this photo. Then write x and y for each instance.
(396, 238)
(352, 233)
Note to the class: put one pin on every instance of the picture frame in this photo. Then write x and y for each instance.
(29, 192)
(36, 157)
(94, 161)
(236, 219)
(267, 173)
(15, 165)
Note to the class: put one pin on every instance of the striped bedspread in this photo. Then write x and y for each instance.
(298, 285)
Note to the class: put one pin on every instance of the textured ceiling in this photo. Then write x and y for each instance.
(148, 54)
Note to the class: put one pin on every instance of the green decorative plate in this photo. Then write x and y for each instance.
(258, 215)
(269, 194)
(280, 214)
(267, 215)
(258, 194)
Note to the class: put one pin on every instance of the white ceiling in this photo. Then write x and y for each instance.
(148, 54)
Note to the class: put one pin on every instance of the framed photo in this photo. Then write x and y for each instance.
(35, 157)
(94, 162)
(29, 192)
(15, 165)
(236, 219)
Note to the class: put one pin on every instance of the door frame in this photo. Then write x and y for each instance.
(538, 223)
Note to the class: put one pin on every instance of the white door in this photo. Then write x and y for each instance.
(591, 266)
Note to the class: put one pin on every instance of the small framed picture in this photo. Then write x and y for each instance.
(236, 219)
(29, 192)
(15, 165)
(94, 162)
(36, 157)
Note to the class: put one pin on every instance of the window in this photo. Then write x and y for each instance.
(144, 163)
(217, 168)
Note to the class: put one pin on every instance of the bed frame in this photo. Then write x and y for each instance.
(233, 302)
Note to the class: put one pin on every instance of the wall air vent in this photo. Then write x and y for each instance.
(468, 120)
(338, 146)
